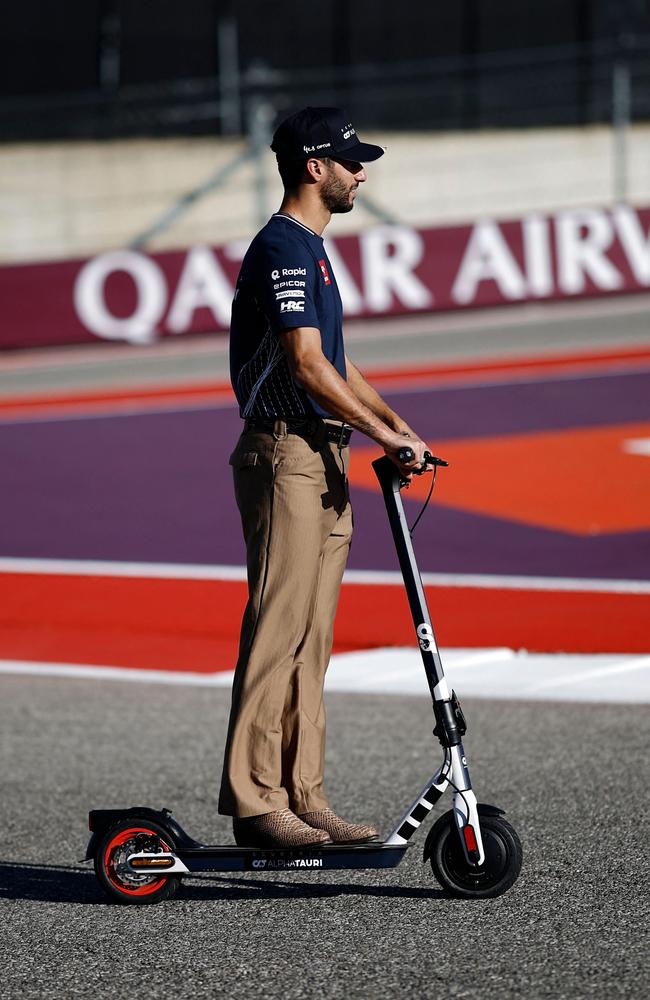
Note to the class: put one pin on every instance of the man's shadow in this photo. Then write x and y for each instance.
(76, 884)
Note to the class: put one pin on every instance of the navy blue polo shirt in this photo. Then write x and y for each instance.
(286, 281)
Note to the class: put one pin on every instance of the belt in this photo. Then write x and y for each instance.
(340, 434)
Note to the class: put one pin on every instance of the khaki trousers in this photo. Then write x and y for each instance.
(293, 498)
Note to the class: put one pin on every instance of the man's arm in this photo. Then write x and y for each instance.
(317, 376)
(371, 398)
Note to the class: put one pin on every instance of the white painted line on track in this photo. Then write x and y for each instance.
(627, 666)
(486, 673)
(100, 567)
(85, 671)
(367, 577)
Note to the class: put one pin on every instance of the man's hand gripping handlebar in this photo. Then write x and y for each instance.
(406, 455)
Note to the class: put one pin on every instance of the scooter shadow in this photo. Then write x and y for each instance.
(73, 884)
(48, 883)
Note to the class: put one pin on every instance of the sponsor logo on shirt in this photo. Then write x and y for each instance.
(291, 293)
(293, 270)
(324, 272)
(275, 275)
(296, 307)
(289, 284)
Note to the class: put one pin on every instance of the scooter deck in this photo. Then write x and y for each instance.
(332, 856)
(198, 857)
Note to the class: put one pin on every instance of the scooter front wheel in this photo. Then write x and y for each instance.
(499, 871)
(123, 885)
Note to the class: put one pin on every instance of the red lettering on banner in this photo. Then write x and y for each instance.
(386, 270)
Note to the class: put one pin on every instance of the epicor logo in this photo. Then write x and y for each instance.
(289, 284)
(275, 275)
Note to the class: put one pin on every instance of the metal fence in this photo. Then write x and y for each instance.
(573, 84)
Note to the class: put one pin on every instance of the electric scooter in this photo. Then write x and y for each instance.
(141, 854)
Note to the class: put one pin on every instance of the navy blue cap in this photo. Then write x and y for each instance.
(321, 132)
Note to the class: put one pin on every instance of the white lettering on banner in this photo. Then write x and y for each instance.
(202, 284)
(582, 237)
(151, 291)
(537, 255)
(574, 252)
(350, 295)
(634, 242)
(488, 257)
(389, 255)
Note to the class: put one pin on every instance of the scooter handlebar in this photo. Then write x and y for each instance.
(407, 455)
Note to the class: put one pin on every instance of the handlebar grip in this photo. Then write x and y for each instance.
(406, 454)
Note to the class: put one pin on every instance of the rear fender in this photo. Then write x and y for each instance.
(484, 809)
(100, 820)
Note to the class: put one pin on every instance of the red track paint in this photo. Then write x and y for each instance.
(193, 625)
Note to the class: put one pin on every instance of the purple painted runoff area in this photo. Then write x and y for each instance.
(156, 487)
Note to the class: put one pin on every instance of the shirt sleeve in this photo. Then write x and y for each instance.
(285, 286)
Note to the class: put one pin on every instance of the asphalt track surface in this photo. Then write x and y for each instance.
(574, 924)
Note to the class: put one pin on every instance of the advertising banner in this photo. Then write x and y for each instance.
(138, 297)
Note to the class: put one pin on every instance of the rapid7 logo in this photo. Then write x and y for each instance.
(291, 306)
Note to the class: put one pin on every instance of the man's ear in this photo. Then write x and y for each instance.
(315, 169)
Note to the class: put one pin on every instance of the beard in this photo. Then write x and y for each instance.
(335, 195)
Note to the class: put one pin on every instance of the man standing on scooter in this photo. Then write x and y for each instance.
(300, 396)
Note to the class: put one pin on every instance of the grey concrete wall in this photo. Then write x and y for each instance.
(77, 198)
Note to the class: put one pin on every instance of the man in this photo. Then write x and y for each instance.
(299, 395)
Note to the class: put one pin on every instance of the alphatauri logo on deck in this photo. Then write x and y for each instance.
(275, 863)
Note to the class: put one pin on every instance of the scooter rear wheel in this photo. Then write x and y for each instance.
(122, 885)
(499, 871)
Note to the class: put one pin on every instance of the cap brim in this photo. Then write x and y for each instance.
(364, 152)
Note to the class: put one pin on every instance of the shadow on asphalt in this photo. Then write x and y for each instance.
(70, 884)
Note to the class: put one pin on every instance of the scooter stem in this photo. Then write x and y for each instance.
(390, 481)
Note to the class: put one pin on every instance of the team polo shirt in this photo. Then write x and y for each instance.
(286, 281)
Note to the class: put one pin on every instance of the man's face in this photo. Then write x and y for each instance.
(339, 187)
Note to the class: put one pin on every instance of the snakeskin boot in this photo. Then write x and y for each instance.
(281, 828)
(339, 829)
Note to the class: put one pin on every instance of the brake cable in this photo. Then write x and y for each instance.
(405, 455)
